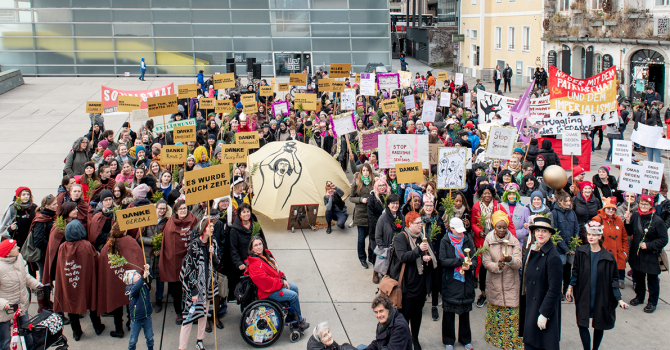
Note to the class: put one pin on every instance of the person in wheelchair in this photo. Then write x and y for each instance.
(270, 282)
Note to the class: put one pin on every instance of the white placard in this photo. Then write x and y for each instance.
(445, 99)
(469, 165)
(622, 152)
(140, 114)
(489, 104)
(388, 81)
(631, 178)
(561, 123)
(451, 168)
(281, 109)
(428, 114)
(653, 176)
(409, 102)
(459, 79)
(368, 84)
(501, 142)
(596, 119)
(344, 124)
(467, 100)
(572, 143)
(349, 99)
(127, 74)
(395, 148)
(650, 136)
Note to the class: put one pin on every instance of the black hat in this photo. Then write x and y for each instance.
(266, 125)
(308, 123)
(126, 125)
(542, 222)
(105, 194)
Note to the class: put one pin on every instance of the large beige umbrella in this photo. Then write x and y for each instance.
(292, 172)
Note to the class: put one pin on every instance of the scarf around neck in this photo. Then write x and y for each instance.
(457, 242)
(366, 180)
(412, 245)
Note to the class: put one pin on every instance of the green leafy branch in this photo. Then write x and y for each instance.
(117, 260)
(482, 220)
(158, 195)
(175, 172)
(60, 223)
(256, 229)
(254, 169)
(481, 251)
(92, 186)
(449, 207)
(434, 231)
(214, 161)
(556, 237)
(575, 242)
(400, 103)
(233, 114)
(157, 242)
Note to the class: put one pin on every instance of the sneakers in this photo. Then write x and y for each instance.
(158, 306)
(434, 313)
(375, 277)
(649, 308)
(304, 325)
(364, 264)
(469, 346)
(481, 301)
(635, 302)
(199, 345)
(449, 347)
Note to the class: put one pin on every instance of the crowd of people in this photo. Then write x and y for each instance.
(525, 245)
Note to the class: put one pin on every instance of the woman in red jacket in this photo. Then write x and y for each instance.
(271, 283)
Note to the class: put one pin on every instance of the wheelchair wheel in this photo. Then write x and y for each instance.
(295, 336)
(262, 323)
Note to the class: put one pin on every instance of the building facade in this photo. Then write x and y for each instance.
(181, 37)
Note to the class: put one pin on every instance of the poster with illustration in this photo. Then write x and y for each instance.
(451, 168)
(349, 99)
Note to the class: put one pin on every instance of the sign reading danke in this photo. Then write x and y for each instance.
(208, 183)
(184, 133)
(233, 154)
(143, 216)
(94, 107)
(247, 140)
(409, 172)
(175, 154)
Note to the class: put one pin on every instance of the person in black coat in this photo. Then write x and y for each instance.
(392, 329)
(390, 223)
(595, 284)
(533, 151)
(541, 280)
(240, 236)
(649, 237)
(550, 157)
(430, 217)
(458, 284)
(586, 206)
(375, 208)
(609, 189)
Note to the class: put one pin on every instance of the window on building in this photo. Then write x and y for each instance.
(474, 2)
(526, 38)
(598, 61)
(499, 1)
(474, 35)
(467, 33)
(662, 2)
(498, 38)
(530, 73)
(596, 4)
(510, 38)
(563, 5)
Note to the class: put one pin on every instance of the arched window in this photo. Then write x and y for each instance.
(598, 62)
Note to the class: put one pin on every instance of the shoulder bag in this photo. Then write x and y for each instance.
(390, 287)
(29, 252)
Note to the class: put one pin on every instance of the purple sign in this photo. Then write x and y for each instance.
(370, 142)
(365, 75)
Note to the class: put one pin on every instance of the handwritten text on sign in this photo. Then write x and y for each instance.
(369, 140)
(501, 142)
(631, 178)
(173, 154)
(395, 149)
(143, 216)
(208, 183)
(129, 103)
(93, 107)
(223, 106)
(187, 90)
(224, 81)
(653, 174)
(247, 139)
(409, 172)
(233, 154)
(184, 133)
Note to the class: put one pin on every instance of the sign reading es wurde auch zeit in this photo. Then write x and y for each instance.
(208, 183)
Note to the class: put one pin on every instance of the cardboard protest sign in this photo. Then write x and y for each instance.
(110, 96)
(389, 106)
(159, 128)
(451, 168)
(94, 107)
(137, 217)
(388, 81)
(653, 176)
(343, 124)
(247, 139)
(428, 114)
(280, 108)
(409, 172)
(162, 105)
(207, 183)
(409, 102)
(223, 106)
(184, 134)
(224, 81)
(266, 91)
(324, 85)
(233, 154)
(434, 150)
(336, 86)
(467, 100)
(298, 79)
(566, 163)
(442, 76)
(369, 139)
(187, 90)
(206, 103)
(308, 101)
(129, 103)
(318, 105)
(458, 79)
(489, 104)
(139, 115)
(445, 99)
(283, 87)
(176, 154)
(500, 142)
(622, 152)
(594, 119)
(572, 143)
(349, 99)
(405, 79)
(468, 165)
(368, 84)
(594, 95)
(249, 107)
(247, 98)
(561, 123)
(630, 179)
(340, 70)
(358, 78)
(399, 148)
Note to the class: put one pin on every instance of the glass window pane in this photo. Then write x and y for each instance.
(175, 58)
(95, 57)
(91, 16)
(134, 69)
(336, 30)
(212, 58)
(94, 44)
(209, 69)
(330, 16)
(53, 43)
(173, 44)
(250, 16)
(68, 70)
(372, 30)
(219, 44)
(251, 30)
(172, 16)
(292, 44)
(25, 16)
(365, 58)
(210, 16)
(249, 4)
(332, 57)
(288, 4)
(131, 16)
(170, 4)
(212, 30)
(53, 15)
(369, 4)
(16, 58)
(16, 43)
(86, 3)
(44, 29)
(134, 44)
(134, 58)
(331, 45)
(295, 17)
(209, 4)
(93, 29)
(132, 4)
(132, 29)
(329, 4)
(7, 29)
(261, 57)
(370, 44)
(53, 3)
(290, 30)
(172, 30)
(95, 70)
(176, 70)
(248, 44)
(55, 57)
(369, 17)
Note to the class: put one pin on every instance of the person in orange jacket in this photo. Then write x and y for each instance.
(614, 235)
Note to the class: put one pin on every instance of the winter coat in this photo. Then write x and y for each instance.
(314, 344)
(74, 163)
(14, 279)
(542, 275)
(474, 222)
(140, 300)
(394, 336)
(533, 151)
(520, 215)
(387, 229)
(605, 302)
(615, 237)
(360, 208)
(375, 208)
(413, 284)
(240, 237)
(41, 228)
(565, 223)
(607, 191)
(550, 157)
(654, 118)
(656, 238)
(267, 278)
(454, 291)
(502, 287)
(586, 210)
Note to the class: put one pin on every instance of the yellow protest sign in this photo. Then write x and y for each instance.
(187, 90)
(248, 98)
(223, 106)
(298, 79)
(249, 107)
(183, 133)
(162, 105)
(175, 154)
(224, 81)
(409, 172)
(208, 183)
(442, 76)
(340, 70)
(318, 106)
(389, 106)
(358, 78)
(233, 154)
(266, 91)
(129, 103)
(324, 85)
(94, 107)
(283, 87)
(308, 101)
(206, 103)
(143, 216)
(337, 86)
(247, 140)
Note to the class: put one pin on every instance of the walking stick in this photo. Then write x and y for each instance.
(211, 275)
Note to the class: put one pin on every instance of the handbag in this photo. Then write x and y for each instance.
(390, 287)
(382, 260)
(663, 260)
(29, 252)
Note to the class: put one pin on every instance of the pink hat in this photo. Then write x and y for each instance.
(428, 198)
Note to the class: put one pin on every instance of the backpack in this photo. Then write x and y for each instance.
(29, 252)
(245, 291)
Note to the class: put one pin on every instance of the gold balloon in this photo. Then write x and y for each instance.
(555, 177)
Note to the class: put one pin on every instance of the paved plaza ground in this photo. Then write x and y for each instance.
(40, 120)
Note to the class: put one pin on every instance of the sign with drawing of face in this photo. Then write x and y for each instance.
(280, 173)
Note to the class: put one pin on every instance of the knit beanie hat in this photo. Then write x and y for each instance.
(6, 246)
(105, 194)
(107, 153)
(141, 191)
(140, 148)
(606, 168)
(103, 144)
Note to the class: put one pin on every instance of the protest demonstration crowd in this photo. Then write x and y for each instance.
(452, 189)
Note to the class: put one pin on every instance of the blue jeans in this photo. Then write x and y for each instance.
(6, 333)
(609, 151)
(362, 235)
(142, 75)
(654, 154)
(160, 288)
(135, 327)
(290, 295)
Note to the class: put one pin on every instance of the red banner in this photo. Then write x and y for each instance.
(584, 159)
(110, 96)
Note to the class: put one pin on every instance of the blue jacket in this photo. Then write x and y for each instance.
(565, 221)
(143, 66)
(474, 140)
(201, 80)
(140, 300)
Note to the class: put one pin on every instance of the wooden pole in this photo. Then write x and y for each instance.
(142, 243)
(211, 275)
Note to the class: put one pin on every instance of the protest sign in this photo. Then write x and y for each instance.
(595, 119)
(409, 172)
(247, 98)
(469, 157)
(467, 100)
(94, 107)
(308, 101)
(652, 176)
(206, 103)
(445, 99)
(398, 148)
(280, 108)
(451, 168)
(159, 129)
(139, 115)
(187, 90)
(458, 80)
(368, 84)
(184, 134)
(110, 96)
(389, 106)
(428, 114)
(233, 154)
(318, 105)
(247, 139)
(388, 81)
(622, 152)
(409, 102)
(207, 183)
(223, 106)
(631, 178)
(162, 105)
(343, 124)
(324, 85)
(176, 154)
(298, 79)
(336, 86)
(358, 78)
(442, 76)
(340, 70)
(500, 142)
(283, 87)
(489, 104)
(650, 136)
(223, 81)
(136, 217)
(433, 156)
(405, 78)
(349, 99)
(561, 123)
(249, 107)
(369, 139)
(572, 143)
(129, 103)
(594, 95)
(266, 91)
(566, 163)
